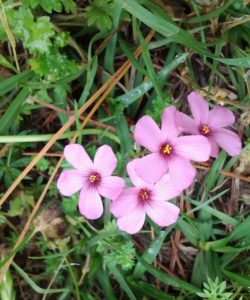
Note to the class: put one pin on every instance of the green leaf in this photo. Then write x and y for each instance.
(218, 214)
(4, 62)
(35, 35)
(99, 13)
(33, 285)
(150, 291)
(53, 65)
(120, 279)
(11, 83)
(103, 278)
(125, 139)
(7, 290)
(149, 65)
(190, 231)
(241, 279)
(213, 14)
(152, 251)
(214, 172)
(50, 5)
(139, 91)
(8, 118)
(241, 232)
(169, 280)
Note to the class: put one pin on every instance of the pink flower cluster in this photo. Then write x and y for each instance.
(157, 177)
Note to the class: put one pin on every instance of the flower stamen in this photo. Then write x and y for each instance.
(166, 150)
(205, 130)
(94, 178)
(144, 195)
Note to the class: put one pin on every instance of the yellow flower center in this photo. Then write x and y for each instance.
(94, 178)
(144, 195)
(205, 129)
(166, 150)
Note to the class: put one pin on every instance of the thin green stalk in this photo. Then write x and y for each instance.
(46, 137)
(74, 279)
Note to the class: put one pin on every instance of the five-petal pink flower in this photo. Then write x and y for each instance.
(134, 203)
(211, 125)
(92, 179)
(169, 151)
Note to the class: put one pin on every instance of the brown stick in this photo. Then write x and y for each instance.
(70, 113)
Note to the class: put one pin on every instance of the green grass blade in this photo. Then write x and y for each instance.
(104, 281)
(125, 140)
(213, 14)
(149, 65)
(12, 111)
(46, 137)
(151, 252)
(140, 90)
(123, 284)
(125, 48)
(11, 83)
(241, 279)
(89, 82)
(220, 215)
(167, 279)
(33, 285)
(149, 290)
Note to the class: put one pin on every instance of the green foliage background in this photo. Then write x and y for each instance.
(53, 56)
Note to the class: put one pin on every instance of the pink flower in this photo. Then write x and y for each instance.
(169, 152)
(210, 124)
(92, 179)
(134, 203)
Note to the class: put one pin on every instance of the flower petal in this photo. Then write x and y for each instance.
(181, 172)
(151, 167)
(186, 124)
(70, 182)
(165, 189)
(125, 203)
(214, 147)
(168, 124)
(228, 140)
(90, 203)
(199, 108)
(105, 160)
(134, 177)
(148, 134)
(194, 147)
(220, 117)
(111, 187)
(132, 222)
(76, 155)
(162, 213)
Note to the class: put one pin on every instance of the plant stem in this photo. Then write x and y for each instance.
(46, 137)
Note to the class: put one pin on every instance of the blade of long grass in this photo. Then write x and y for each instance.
(123, 284)
(7, 120)
(11, 83)
(167, 279)
(33, 285)
(213, 14)
(46, 137)
(151, 253)
(241, 279)
(150, 290)
(140, 90)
